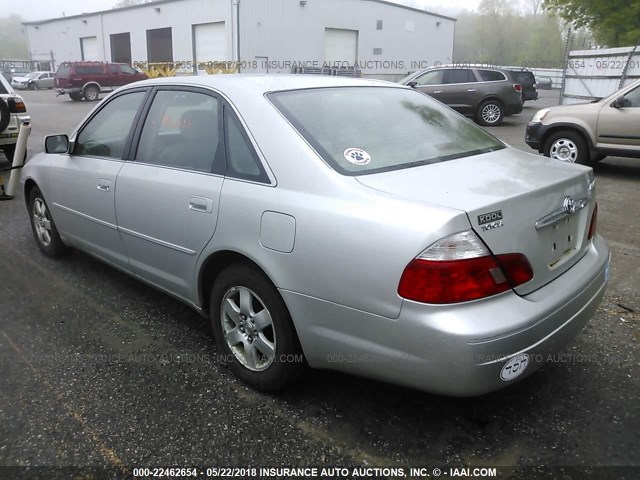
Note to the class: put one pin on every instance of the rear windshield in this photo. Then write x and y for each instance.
(365, 130)
(524, 77)
(63, 70)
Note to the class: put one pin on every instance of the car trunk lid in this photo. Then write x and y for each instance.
(513, 200)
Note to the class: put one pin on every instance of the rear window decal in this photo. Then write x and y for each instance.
(357, 156)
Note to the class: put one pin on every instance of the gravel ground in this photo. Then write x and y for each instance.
(99, 369)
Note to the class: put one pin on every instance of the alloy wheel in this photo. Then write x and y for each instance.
(491, 113)
(42, 221)
(248, 328)
(564, 150)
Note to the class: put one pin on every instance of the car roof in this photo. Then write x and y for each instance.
(264, 83)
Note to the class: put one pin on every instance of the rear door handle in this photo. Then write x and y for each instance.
(104, 185)
(472, 90)
(201, 204)
(437, 91)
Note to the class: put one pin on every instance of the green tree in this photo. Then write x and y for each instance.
(13, 43)
(499, 35)
(614, 23)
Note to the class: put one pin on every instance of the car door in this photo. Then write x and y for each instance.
(431, 83)
(168, 196)
(619, 128)
(460, 89)
(46, 80)
(83, 183)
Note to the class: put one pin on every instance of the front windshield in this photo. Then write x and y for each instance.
(364, 130)
(33, 75)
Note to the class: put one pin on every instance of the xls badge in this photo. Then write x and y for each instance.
(490, 221)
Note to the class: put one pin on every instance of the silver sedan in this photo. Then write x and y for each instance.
(334, 223)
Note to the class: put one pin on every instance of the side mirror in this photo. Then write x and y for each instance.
(56, 143)
(412, 84)
(619, 102)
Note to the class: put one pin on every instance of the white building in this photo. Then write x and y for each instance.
(383, 39)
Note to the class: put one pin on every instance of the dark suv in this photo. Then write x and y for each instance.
(87, 79)
(527, 79)
(487, 94)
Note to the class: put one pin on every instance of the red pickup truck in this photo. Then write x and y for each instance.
(88, 79)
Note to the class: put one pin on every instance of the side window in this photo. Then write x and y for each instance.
(434, 77)
(491, 75)
(182, 130)
(127, 70)
(106, 133)
(242, 160)
(113, 69)
(459, 75)
(632, 98)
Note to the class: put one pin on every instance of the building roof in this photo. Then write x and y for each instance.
(160, 2)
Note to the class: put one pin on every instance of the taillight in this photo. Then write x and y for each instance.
(594, 222)
(517, 87)
(459, 268)
(16, 105)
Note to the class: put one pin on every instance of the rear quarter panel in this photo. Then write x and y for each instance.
(352, 243)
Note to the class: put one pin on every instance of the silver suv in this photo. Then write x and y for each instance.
(487, 94)
(12, 113)
(588, 132)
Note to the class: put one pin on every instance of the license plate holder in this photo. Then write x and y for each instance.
(563, 239)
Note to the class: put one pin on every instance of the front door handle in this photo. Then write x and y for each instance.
(104, 185)
(472, 90)
(201, 204)
(437, 91)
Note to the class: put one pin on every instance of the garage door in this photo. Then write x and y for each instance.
(340, 45)
(211, 43)
(89, 49)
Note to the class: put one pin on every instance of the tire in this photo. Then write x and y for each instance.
(43, 227)
(5, 114)
(490, 113)
(567, 146)
(91, 93)
(261, 349)
(33, 86)
(76, 97)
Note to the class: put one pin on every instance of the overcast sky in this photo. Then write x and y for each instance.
(41, 9)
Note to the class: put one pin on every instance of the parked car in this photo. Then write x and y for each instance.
(586, 133)
(544, 83)
(487, 94)
(34, 81)
(11, 72)
(349, 224)
(527, 79)
(13, 112)
(88, 79)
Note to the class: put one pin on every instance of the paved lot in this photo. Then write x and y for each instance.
(99, 369)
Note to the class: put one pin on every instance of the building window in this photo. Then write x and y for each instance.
(377, 51)
(159, 45)
(121, 47)
(379, 25)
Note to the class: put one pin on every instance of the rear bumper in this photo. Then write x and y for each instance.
(530, 95)
(63, 91)
(513, 108)
(458, 350)
(9, 136)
